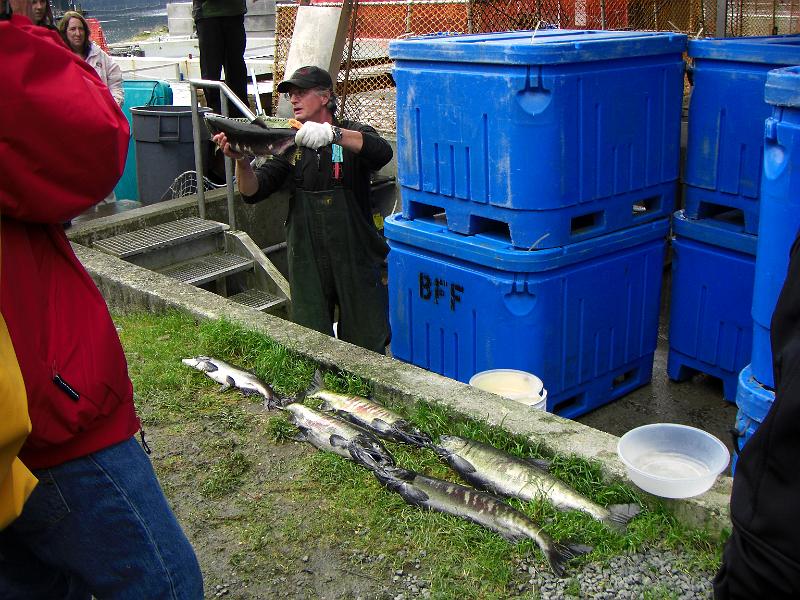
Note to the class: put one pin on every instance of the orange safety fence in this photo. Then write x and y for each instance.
(96, 33)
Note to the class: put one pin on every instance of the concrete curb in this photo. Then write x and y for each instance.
(127, 287)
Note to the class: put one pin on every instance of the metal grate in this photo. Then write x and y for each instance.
(208, 268)
(258, 299)
(158, 236)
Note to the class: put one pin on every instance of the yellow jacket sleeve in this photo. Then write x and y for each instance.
(16, 481)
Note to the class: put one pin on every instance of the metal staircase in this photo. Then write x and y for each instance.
(207, 254)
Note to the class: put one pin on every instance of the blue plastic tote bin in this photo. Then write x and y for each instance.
(164, 147)
(710, 326)
(754, 402)
(726, 122)
(551, 138)
(780, 209)
(138, 92)
(582, 317)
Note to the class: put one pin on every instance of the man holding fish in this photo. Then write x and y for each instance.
(335, 251)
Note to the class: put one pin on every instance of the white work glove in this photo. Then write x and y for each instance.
(314, 135)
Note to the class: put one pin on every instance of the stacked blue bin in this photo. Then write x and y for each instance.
(726, 121)
(778, 227)
(716, 236)
(537, 175)
(711, 329)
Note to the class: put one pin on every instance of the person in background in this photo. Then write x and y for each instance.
(75, 31)
(335, 251)
(97, 524)
(42, 14)
(222, 40)
(762, 556)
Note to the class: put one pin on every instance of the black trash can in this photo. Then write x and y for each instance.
(164, 147)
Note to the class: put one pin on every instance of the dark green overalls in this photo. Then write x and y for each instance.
(335, 258)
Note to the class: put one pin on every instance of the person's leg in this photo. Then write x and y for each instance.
(24, 577)
(106, 521)
(211, 45)
(235, 69)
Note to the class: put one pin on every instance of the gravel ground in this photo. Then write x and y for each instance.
(649, 574)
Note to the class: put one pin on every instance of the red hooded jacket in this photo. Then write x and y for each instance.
(63, 143)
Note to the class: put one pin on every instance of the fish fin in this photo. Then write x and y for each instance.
(338, 441)
(279, 403)
(382, 427)
(260, 121)
(317, 384)
(540, 463)
(621, 514)
(413, 495)
(461, 465)
(229, 382)
(412, 435)
(209, 366)
(558, 554)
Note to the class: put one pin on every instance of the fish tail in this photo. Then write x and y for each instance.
(620, 514)
(417, 438)
(372, 458)
(559, 554)
(317, 384)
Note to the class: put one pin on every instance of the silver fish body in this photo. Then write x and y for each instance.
(332, 434)
(368, 414)
(491, 469)
(229, 376)
(476, 506)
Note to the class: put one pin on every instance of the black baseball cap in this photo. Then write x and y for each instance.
(306, 78)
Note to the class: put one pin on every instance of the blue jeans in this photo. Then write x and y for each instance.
(98, 525)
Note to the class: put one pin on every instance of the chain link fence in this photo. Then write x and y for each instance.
(365, 83)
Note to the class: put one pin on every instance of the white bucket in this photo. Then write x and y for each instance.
(520, 386)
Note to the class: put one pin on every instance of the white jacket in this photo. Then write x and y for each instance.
(108, 70)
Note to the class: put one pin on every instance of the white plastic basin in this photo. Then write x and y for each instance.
(671, 460)
(521, 386)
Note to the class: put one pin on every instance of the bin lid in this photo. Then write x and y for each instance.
(768, 50)
(547, 46)
(783, 87)
(166, 109)
(491, 250)
(723, 231)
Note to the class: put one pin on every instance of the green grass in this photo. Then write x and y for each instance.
(351, 510)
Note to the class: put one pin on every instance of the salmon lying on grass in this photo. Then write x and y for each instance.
(479, 507)
(368, 414)
(493, 470)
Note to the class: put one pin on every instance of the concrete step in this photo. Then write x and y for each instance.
(258, 299)
(127, 245)
(166, 244)
(203, 269)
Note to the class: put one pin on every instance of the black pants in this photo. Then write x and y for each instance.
(762, 556)
(222, 42)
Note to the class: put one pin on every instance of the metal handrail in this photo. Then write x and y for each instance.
(226, 95)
